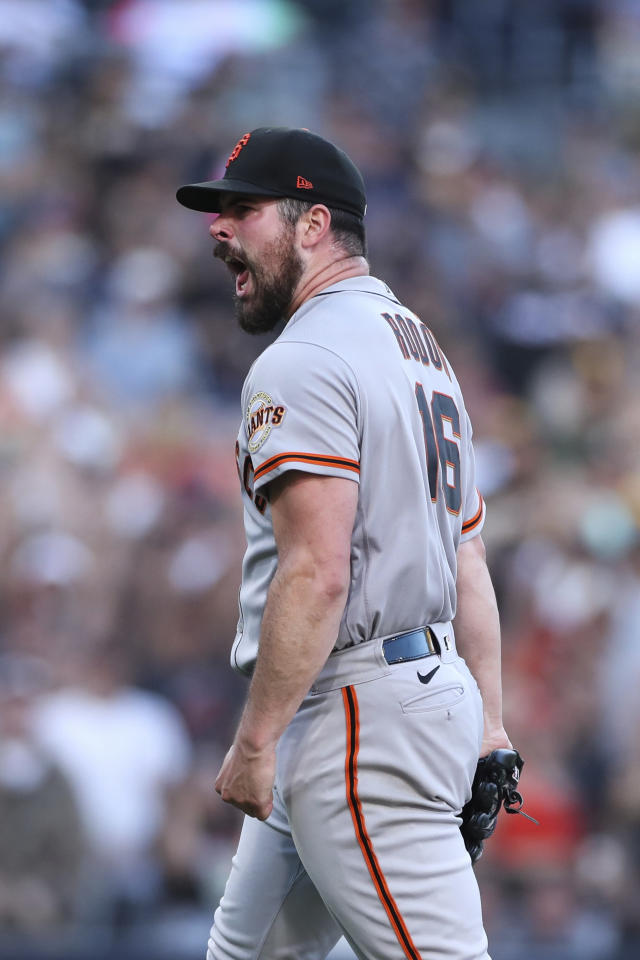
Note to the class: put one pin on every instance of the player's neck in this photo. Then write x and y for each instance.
(316, 280)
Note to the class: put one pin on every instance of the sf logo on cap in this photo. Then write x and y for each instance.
(242, 142)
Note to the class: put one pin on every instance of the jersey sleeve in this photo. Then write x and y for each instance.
(301, 412)
(474, 509)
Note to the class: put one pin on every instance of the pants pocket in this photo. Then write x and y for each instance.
(438, 698)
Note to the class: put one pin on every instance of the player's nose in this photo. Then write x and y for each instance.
(221, 228)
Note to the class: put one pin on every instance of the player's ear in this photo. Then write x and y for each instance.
(314, 224)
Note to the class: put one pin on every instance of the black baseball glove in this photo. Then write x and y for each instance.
(494, 785)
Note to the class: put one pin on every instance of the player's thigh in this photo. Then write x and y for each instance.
(373, 806)
(270, 910)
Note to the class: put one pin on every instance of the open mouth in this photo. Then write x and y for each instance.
(240, 271)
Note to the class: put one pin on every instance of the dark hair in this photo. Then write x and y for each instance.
(347, 229)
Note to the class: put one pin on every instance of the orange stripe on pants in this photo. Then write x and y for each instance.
(364, 841)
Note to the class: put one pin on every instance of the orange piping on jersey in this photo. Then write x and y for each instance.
(475, 520)
(320, 459)
(364, 841)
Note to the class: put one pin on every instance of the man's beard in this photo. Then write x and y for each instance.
(274, 283)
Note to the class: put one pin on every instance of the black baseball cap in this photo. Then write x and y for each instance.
(283, 162)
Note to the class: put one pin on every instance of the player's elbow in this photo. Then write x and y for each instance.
(334, 584)
(330, 580)
(326, 579)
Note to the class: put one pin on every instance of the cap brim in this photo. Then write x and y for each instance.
(207, 196)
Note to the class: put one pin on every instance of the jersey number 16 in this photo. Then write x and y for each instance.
(443, 454)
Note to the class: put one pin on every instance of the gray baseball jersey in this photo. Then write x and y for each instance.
(379, 759)
(356, 386)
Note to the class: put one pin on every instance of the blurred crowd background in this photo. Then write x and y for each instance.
(499, 141)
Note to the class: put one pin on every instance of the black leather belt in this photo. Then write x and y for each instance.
(410, 646)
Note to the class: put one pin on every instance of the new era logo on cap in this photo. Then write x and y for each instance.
(265, 163)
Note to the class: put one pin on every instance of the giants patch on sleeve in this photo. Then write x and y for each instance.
(261, 417)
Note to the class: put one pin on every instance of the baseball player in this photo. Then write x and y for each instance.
(363, 724)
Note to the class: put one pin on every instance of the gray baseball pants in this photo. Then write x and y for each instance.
(364, 836)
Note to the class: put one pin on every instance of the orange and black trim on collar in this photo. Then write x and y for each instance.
(319, 459)
(351, 776)
(473, 522)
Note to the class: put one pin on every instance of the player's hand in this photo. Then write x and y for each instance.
(495, 786)
(495, 738)
(246, 780)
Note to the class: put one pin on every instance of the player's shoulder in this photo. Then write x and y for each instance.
(318, 335)
(297, 354)
(294, 365)
(353, 299)
(350, 331)
(340, 319)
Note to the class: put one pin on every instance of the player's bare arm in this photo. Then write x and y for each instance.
(313, 519)
(477, 627)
